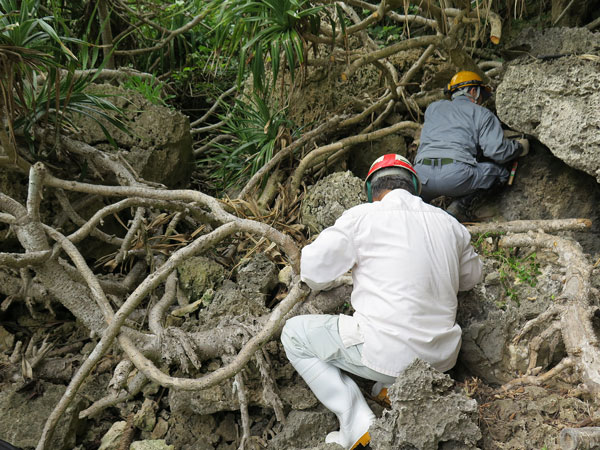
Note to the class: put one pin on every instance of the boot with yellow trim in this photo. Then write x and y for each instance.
(339, 394)
(379, 392)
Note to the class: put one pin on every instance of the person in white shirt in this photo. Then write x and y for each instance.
(408, 259)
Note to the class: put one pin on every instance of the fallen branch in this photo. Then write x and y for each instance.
(522, 226)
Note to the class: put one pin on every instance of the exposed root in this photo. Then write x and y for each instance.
(574, 314)
(538, 380)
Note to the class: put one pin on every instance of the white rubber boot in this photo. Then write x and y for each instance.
(340, 394)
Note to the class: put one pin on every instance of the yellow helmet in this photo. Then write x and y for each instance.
(466, 78)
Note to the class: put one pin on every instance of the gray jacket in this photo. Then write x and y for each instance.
(458, 128)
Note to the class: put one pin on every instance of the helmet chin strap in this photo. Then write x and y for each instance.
(369, 192)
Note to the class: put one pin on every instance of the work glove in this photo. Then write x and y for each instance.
(524, 143)
(511, 134)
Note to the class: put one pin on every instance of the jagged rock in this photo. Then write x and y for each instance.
(490, 319)
(145, 418)
(329, 198)
(197, 274)
(161, 429)
(557, 100)
(305, 429)
(426, 413)
(7, 341)
(524, 418)
(363, 155)
(259, 274)
(192, 432)
(151, 445)
(28, 410)
(160, 145)
(112, 439)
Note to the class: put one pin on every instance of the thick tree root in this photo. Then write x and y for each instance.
(580, 438)
(573, 313)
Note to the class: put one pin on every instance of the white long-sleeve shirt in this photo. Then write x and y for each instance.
(409, 260)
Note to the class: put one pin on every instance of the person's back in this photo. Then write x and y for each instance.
(408, 261)
(407, 257)
(462, 146)
(451, 130)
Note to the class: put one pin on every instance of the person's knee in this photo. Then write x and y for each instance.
(290, 334)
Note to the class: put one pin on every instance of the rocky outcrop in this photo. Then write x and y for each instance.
(427, 413)
(329, 198)
(555, 96)
(159, 144)
(28, 409)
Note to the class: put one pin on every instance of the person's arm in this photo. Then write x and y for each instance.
(470, 264)
(492, 141)
(331, 255)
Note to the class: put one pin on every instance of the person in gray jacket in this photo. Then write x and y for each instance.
(462, 148)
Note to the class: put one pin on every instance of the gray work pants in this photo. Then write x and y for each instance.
(317, 336)
(458, 179)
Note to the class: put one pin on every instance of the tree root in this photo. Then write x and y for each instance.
(573, 312)
(580, 438)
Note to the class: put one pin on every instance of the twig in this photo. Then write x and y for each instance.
(269, 386)
(19, 260)
(563, 13)
(213, 107)
(240, 389)
(130, 236)
(273, 325)
(133, 388)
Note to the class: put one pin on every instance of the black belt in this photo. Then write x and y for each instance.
(436, 161)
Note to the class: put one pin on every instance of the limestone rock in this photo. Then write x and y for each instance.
(329, 198)
(197, 274)
(259, 274)
(28, 414)
(151, 445)
(305, 429)
(426, 413)
(145, 418)
(557, 100)
(112, 439)
(159, 147)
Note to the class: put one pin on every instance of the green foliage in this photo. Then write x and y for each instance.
(256, 130)
(261, 30)
(37, 69)
(513, 270)
(151, 89)
(57, 100)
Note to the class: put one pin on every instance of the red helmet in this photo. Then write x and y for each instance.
(393, 160)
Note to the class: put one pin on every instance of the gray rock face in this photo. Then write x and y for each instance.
(158, 444)
(28, 413)
(557, 100)
(160, 145)
(426, 414)
(363, 155)
(329, 198)
(197, 274)
(305, 429)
